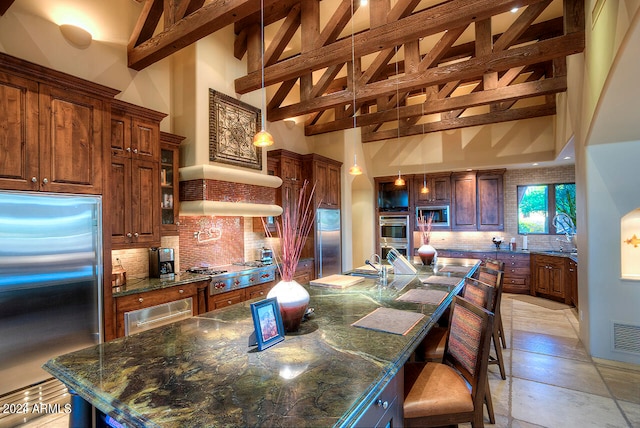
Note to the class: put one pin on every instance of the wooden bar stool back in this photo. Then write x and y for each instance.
(452, 392)
(494, 278)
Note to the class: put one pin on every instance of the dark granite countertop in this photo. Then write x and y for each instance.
(143, 285)
(571, 255)
(200, 371)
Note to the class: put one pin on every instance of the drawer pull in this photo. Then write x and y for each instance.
(229, 301)
(181, 291)
(140, 299)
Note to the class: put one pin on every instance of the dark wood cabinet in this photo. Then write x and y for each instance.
(438, 189)
(325, 174)
(223, 300)
(169, 165)
(135, 208)
(463, 196)
(517, 272)
(137, 301)
(549, 277)
(386, 409)
(490, 200)
(52, 125)
(572, 280)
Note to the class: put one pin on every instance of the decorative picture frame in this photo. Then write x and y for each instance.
(232, 125)
(267, 323)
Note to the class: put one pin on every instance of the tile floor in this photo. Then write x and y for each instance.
(551, 380)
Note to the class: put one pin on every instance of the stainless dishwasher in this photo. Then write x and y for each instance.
(155, 316)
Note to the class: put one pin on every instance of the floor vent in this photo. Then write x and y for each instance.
(626, 338)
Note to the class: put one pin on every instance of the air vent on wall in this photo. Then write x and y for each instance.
(626, 338)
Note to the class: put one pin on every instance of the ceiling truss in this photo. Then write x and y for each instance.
(401, 86)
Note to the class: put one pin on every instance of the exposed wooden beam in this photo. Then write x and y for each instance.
(146, 23)
(431, 106)
(498, 61)
(548, 109)
(452, 14)
(5, 5)
(209, 18)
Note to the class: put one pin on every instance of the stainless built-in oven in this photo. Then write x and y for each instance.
(393, 231)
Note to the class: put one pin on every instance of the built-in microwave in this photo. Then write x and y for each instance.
(440, 214)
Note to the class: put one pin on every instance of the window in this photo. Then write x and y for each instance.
(540, 204)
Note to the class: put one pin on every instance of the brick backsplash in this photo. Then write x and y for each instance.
(210, 240)
(215, 190)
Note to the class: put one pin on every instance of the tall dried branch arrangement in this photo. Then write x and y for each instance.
(425, 228)
(293, 230)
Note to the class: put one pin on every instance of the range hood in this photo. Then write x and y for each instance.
(207, 190)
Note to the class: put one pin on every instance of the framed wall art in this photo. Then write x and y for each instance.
(232, 125)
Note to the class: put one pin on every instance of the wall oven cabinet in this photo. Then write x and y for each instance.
(393, 231)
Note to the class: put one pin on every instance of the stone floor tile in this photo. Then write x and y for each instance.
(551, 406)
(560, 346)
(632, 412)
(623, 384)
(545, 326)
(562, 372)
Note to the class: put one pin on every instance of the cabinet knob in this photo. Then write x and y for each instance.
(140, 299)
(128, 149)
(34, 180)
(129, 235)
(136, 234)
(229, 301)
(180, 291)
(135, 151)
(383, 404)
(45, 180)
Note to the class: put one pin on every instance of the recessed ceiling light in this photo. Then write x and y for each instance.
(535, 164)
(567, 157)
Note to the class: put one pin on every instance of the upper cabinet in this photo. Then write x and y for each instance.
(490, 201)
(51, 138)
(463, 195)
(432, 189)
(326, 176)
(169, 165)
(135, 208)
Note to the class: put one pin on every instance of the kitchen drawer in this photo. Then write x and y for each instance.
(386, 409)
(229, 298)
(259, 291)
(151, 298)
(516, 270)
(519, 284)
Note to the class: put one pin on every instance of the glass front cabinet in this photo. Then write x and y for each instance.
(169, 164)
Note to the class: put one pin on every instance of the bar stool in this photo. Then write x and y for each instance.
(453, 391)
(494, 278)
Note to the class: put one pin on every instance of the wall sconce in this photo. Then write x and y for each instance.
(76, 36)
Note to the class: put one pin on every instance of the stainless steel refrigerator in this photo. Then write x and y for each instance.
(50, 281)
(328, 246)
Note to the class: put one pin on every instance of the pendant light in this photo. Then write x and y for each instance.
(424, 189)
(355, 169)
(399, 181)
(263, 138)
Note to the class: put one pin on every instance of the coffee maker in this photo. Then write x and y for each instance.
(161, 263)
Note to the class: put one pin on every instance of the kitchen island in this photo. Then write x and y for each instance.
(201, 371)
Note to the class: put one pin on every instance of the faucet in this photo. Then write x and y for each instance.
(373, 265)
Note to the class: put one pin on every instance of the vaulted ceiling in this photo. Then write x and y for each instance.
(406, 67)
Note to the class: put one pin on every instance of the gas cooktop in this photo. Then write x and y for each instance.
(253, 263)
(206, 271)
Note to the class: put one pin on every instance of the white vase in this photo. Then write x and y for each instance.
(427, 253)
(293, 300)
